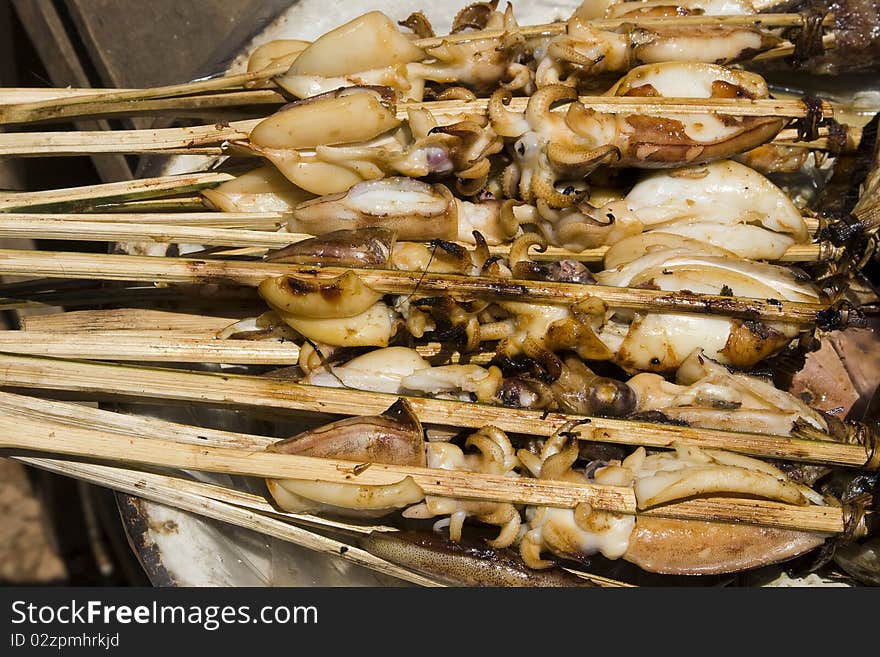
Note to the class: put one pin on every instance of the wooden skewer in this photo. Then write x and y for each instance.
(20, 433)
(180, 346)
(787, 49)
(182, 106)
(248, 220)
(169, 221)
(794, 109)
(817, 252)
(72, 105)
(74, 227)
(554, 29)
(32, 434)
(75, 327)
(175, 204)
(120, 191)
(153, 346)
(208, 139)
(53, 264)
(125, 319)
(204, 139)
(21, 95)
(823, 142)
(34, 372)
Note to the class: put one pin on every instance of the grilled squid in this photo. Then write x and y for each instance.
(663, 545)
(415, 210)
(394, 438)
(719, 208)
(569, 386)
(370, 50)
(554, 150)
(465, 562)
(660, 343)
(494, 455)
(459, 151)
(280, 52)
(707, 394)
(586, 50)
(322, 121)
(261, 190)
(342, 311)
(480, 64)
(722, 208)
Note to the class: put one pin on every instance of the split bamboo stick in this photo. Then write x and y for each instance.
(788, 49)
(68, 106)
(170, 220)
(33, 372)
(125, 319)
(31, 434)
(209, 139)
(554, 29)
(794, 109)
(46, 436)
(155, 346)
(208, 219)
(203, 105)
(20, 95)
(178, 346)
(118, 192)
(53, 264)
(75, 228)
(173, 204)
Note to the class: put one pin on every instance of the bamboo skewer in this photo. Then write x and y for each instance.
(21, 95)
(46, 436)
(209, 139)
(125, 319)
(32, 434)
(77, 228)
(194, 346)
(70, 106)
(188, 270)
(169, 221)
(182, 106)
(120, 191)
(793, 109)
(203, 140)
(788, 49)
(555, 29)
(172, 204)
(155, 346)
(33, 372)
(245, 220)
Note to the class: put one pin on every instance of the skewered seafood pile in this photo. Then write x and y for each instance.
(564, 280)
